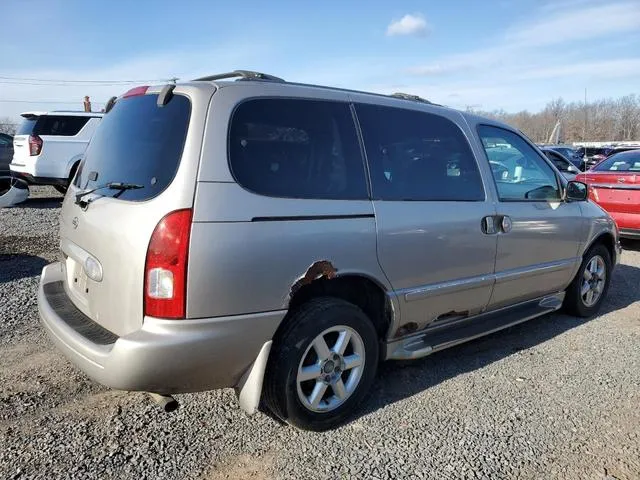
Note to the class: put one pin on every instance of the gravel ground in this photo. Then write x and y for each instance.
(556, 397)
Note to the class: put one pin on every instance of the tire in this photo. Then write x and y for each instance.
(331, 319)
(575, 302)
(60, 188)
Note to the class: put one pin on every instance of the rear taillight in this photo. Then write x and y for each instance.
(35, 145)
(165, 272)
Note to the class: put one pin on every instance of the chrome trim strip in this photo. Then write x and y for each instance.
(447, 287)
(615, 186)
(426, 291)
(538, 269)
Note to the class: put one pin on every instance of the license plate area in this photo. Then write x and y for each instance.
(77, 281)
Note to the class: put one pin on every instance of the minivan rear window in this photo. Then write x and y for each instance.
(26, 127)
(137, 142)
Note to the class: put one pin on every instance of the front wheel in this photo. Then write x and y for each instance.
(322, 365)
(587, 291)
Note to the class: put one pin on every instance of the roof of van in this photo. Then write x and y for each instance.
(71, 113)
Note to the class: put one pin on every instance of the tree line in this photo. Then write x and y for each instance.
(597, 121)
(7, 126)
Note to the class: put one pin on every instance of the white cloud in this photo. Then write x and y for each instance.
(575, 23)
(542, 39)
(415, 25)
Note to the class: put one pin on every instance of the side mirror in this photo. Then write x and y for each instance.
(576, 191)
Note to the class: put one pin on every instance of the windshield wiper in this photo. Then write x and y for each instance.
(120, 186)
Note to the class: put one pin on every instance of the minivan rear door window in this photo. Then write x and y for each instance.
(295, 148)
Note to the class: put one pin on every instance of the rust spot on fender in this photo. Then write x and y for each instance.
(319, 269)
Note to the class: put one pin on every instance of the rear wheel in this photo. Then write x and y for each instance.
(588, 289)
(322, 365)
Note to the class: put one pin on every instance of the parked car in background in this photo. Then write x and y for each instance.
(566, 167)
(282, 239)
(568, 152)
(593, 155)
(6, 153)
(622, 148)
(48, 146)
(614, 184)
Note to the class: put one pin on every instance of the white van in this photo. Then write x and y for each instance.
(48, 146)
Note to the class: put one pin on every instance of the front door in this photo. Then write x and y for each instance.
(539, 233)
(429, 202)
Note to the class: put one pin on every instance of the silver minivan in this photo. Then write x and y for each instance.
(283, 239)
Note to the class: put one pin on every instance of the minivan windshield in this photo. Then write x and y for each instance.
(137, 142)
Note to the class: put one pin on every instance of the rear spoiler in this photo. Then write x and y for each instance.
(164, 97)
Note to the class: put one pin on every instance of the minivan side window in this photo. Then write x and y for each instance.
(297, 148)
(59, 125)
(520, 173)
(415, 155)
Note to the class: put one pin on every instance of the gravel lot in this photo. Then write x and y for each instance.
(556, 397)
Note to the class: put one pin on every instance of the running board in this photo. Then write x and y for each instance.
(453, 333)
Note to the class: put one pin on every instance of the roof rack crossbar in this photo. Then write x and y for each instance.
(408, 96)
(242, 74)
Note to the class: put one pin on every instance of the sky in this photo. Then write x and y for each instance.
(487, 55)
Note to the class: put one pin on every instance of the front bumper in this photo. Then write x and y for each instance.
(164, 356)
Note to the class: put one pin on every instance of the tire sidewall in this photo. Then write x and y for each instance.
(340, 313)
(581, 308)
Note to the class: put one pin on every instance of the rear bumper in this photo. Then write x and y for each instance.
(164, 356)
(32, 180)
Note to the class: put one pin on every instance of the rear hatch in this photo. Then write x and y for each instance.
(21, 153)
(105, 234)
(616, 192)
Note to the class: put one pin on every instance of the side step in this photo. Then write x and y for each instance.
(460, 331)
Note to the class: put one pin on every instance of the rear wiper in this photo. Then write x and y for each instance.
(111, 186)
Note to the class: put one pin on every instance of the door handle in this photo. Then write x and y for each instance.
(494, 224)
(489, 226)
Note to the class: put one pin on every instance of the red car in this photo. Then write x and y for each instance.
(614, 184)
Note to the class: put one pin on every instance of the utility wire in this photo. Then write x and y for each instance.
(4, 79)
(49, 101)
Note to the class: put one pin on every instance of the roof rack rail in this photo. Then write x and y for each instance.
(408, 96)
(242, 74)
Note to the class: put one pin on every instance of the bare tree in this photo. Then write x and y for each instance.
(7, 126)
(628, 116)
(600, 120)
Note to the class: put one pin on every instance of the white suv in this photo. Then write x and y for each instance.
(48, 146)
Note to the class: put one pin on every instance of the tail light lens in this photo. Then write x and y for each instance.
(165, 273)
(35, 145)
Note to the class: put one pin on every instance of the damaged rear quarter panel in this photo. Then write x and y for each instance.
(238, 265)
